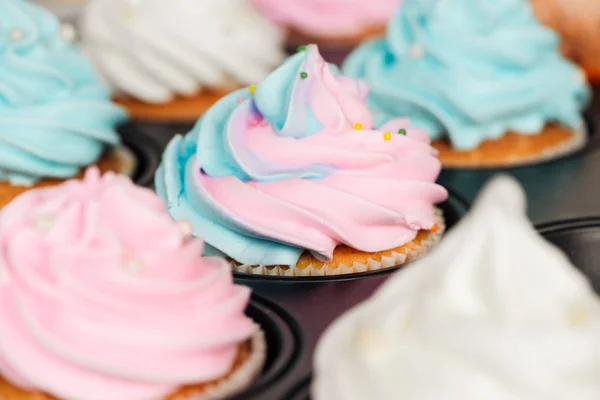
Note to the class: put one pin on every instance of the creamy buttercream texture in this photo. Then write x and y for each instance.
(55, 116)
(494, 313)
(102, 297)
(156, 50)
(295, 164)
(470, 70)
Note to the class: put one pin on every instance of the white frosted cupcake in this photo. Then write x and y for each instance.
(495, 313)
(171, 60)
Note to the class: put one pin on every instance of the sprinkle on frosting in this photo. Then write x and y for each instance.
(303, 75)
(252, 89)
(387, 136)
(300, 48)
(402, 131)
(17, 34)
(358, 126)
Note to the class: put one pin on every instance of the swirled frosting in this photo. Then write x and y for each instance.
(297, 166)
(55, 117)
(156, 50)
(102, 297)
(470, 70)
(328, 17)
(495, 312)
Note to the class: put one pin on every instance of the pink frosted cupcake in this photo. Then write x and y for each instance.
(329, 23)
(103, 296)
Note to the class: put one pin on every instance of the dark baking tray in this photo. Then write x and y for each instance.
(147, 150)
(580, 240)
(284, 343)
(314, 302)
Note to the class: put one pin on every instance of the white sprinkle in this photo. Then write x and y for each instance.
(17, 34)
(67, 32)
(133, 266)
(185, 227)
(417, 51)
(44, 222)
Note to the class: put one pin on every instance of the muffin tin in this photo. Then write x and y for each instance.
(564, 203)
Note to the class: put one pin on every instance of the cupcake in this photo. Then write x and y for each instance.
(290, 177)
(55, 117)
(578, 24)
(495, 313)
(329, 23)
(103, 296)
(168, 61)
(455, 69)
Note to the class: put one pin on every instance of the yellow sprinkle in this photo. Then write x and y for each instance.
(252, 89)
(358, 126)
(387, 136)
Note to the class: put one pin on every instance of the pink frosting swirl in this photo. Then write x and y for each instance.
(102, 296)
(329, 17)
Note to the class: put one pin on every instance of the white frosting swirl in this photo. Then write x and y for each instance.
(154, 50)
(495, 313)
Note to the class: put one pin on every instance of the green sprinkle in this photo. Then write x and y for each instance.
(402, 131)
(303, 75)
(300, 48)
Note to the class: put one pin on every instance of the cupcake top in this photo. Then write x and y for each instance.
(295, 164)
(102, 296)
(55, 117)
(496, 312)
(471, 70)
(328, 17)
(155, 50)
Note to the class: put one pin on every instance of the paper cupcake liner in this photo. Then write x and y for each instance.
(379, 261)
(241, 378)
(577, 142)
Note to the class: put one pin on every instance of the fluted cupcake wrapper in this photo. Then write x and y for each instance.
(241, 378)
(379, 261)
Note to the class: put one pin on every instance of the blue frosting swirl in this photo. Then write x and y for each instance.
(471, 70)
(55, 116)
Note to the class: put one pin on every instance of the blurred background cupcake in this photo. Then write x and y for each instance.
(454, 68)
(55, 116)
(291, 178)
(578, 24)
(495, 312)
(168, 61)
(329, 23)
(103, 296)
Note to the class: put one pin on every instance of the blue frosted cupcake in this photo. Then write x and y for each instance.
(485, 79)
(55, 116)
